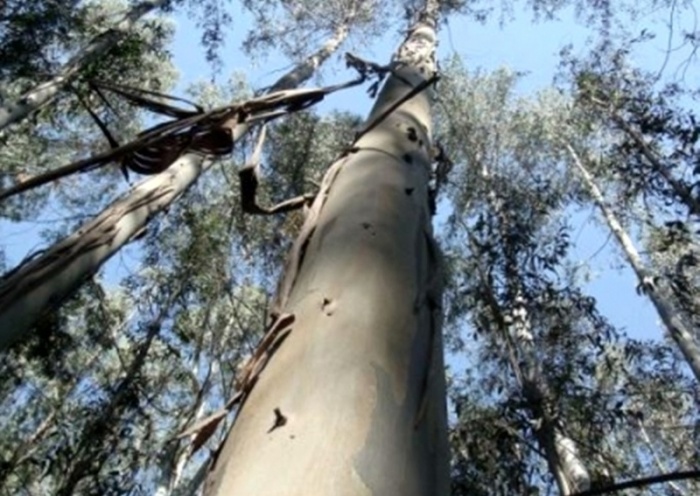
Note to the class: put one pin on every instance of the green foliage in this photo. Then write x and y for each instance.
(507, 242)
(95, 399)
(64, 131)
(300, 149)
(213, 18)
(33, 29)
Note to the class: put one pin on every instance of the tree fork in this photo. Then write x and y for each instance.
(359, 378)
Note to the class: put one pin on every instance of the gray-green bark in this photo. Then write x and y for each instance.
(44, 281)
(43, 93)
(655, 288)
(359, 376)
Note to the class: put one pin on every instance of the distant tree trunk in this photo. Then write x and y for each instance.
(654, 287)
(561, 454)
(89, 453)
(43, 282)
(43, 93)
(352, 402)
(172, 461)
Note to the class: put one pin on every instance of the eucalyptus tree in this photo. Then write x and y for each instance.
(509, 247)
(680, 329)
(47, 279)
(642, 146)
(102, 423)
(298, 150)
(565, 411)
(30, 29)
(352, 400)
(61, 129)
(166, 358)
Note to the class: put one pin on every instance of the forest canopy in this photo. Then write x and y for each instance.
(347, 247)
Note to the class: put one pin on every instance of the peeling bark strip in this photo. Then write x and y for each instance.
(431, 296)
(296, 257)
(358, 382)
(29, 291)
(203, 429)
(42, 94)
(250, 179)
(158, 147)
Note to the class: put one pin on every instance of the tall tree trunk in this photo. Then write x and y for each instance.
(562, 455)
(564, 463)
(563, 460)
(44, 281)
(654, 287)
(43, 93)
(89, 453)
(560, 451)
(353, 400)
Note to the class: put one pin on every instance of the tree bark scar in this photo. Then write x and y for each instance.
(280, 420)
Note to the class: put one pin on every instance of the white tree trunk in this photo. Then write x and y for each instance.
(655, 288)
(563, 460)
(43, 93)
(562, 455)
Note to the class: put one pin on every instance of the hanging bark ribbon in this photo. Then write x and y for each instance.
(250, 179)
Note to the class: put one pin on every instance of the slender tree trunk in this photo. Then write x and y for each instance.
(560, 452)
(43, 93)
(660, 465)
(172, 462)
(562, 455)
(89, 452)
(43, 282)
(654, 287)
(563, 460)
(353, 400)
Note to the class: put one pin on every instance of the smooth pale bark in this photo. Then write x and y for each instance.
(359, 378)
(43, 93)
(44, 281)
(655, 288)
(560, 452)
